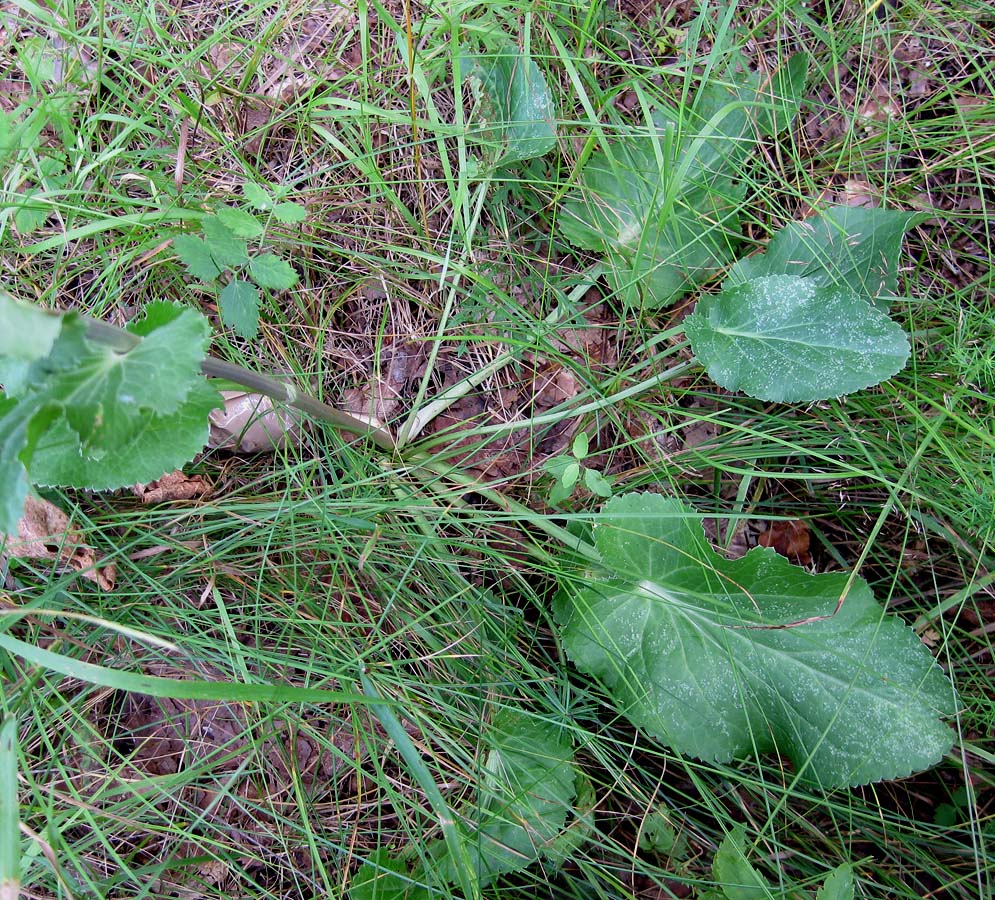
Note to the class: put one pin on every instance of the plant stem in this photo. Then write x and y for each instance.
(122, 341)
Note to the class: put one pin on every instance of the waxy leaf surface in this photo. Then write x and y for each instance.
(727, 658)
(516, 107)
(790, 338)
(845, 246)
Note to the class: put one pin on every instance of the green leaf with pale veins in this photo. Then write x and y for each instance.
(664, 205)
(789, 338)
(158, 444)
(108, 396)
(733, 872)
(382, 877)
(838, 884)
(239, 305)
(663, 208)
(845, 246)
(269, 271)
(289, 213)
(239, 221)
(724, 658)
(257, 195)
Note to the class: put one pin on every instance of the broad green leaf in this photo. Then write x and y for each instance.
(657, 834)
(843, 246)
(159, 444)
(838, 884)
(289, 213)
(195, 254)
(662, 206)
(581, 445)
(239, 304)
(732, 871)
(789, 339)
(525, 793)
(239, 222)
(269, 271)
(383, 877)
(516, 106)
(21, 425)
(571, 473)
(725, 658)
(27, 332)
(227, 249)
(109, 396)
(782, 95)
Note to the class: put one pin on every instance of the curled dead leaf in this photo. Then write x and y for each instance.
(44, 532)
(790, 540)
(171, 487)
(251, 423)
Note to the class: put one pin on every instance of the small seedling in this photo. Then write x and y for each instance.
(223, 256)
(568, 471)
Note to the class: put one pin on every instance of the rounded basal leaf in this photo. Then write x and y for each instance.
(788, 338)
(517, 112)
(525, 792)
(726, 658)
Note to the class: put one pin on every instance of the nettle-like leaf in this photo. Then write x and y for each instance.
(791, 338)
(107, 394)
(269, 271)
(663, 206)
(844, 246)
(724, 658)
(227, 249)
(79, 413)
(515, 105)
(289, 213)
(239, 221)
(195, 254)
(257, 195)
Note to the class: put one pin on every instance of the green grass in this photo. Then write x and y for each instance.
(325, 564)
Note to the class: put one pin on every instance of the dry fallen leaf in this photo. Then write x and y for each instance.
(44, 533)
(250, 423)
(173, 486)
(790, 540)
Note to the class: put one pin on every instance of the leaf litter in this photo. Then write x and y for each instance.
(271, 151)
(44, 532)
